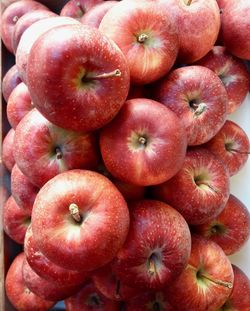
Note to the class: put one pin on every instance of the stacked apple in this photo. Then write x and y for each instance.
(120, 156)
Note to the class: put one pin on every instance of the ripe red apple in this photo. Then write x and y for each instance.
(22, 190)
(157, 247)
(47, 269)
(199, 99)
(200, 190)
(7, 150)
(235, 28)
(19, 104)
(232, 72)
(80, 220)
(43, 150)
(90, 299)
(18, 293)
(207, 281)
(77, 8)
(10, 80)
(145, 144)
(11, 15)
(231, 145)
(230, 229)
(96, 86)
(150, 47)
(15, 220)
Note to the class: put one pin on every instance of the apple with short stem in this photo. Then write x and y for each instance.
(77, 8)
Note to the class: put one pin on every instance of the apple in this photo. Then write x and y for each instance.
(90, 299)
(7, 150)
(47, 269)
(232, 72)
(77, 8)
(207, 281)
(96, 86)
(43, 150)
(11, 15)
(10, 80)
(19, 104)
(22, 190)
(18, 293)
(200, 190)
(150, 48)
(15, 220)
(230, 229)
(235, 25)
(231, 145)
(95, 15)
(6, 3)
(157, 247)
(80, 220)
(145, 144)
(199, 99)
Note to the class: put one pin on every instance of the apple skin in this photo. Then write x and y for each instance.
(7, 150)
(94, 101)
(43, 150)
(230, 229)
(19, 104)
(232, 72)
(10, 80)
(192, 289)
(47, 269)
(74, 10)
(11, 15)
(18, 293)
(90, 299)
(157, 247)
(94, 241)
(6, 3)
(15, 220)
(231, 145)
(185, 90)
(200, 190)
(154, 162)
(22, 190)
(152, 57)
(235, 25)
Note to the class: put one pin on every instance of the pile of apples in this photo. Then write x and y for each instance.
(121, 154)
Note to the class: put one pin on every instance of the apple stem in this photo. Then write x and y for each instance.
(27, 291)
(142, 38)
(238, 151)
(115, 73)
(74, 212)
(117, 289)
(59, 154)
(200, 109)
(202, 182)
(152, 265)
(80, 7)
(142, 140)
(15, 19)
(189, 2)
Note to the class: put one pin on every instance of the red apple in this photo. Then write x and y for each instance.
(11, 16)
(7, 150)
(15, 220)
(230, 229)
(22, 190)
(200, 190)
(199, 99)
(90, 299)
(232, 72)
(207, 281)
(80, 220)
(96, 86)
(77, 8)
(10, 80)
(145, 144)
(18, 293)
(157, 247)
(150, 47)
(43, 150)
(231, 145)
(19, 104)
(47, 269)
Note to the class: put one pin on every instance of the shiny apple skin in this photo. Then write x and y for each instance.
(231, 144)
(7, 150)
(232, 72)
(38, 141)
(18, 293)
(47, 269)
(72, 9)
(149, 60)
(195, 83)
(61, 70)
(87, 245)
(10, 80)
(234, 223)
(156, 161)
(90, 299)
(188, 292)
(156, 230)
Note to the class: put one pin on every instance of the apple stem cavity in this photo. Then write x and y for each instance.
(59, 154)
(117, 289)
(74, 212)
(142, 38)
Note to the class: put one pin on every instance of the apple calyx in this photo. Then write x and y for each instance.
(115, 73)
(27, 291)
(117, 289)
(15, 18)
(59, 154)
(94, 301)
(74, 212)
(142, 38)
